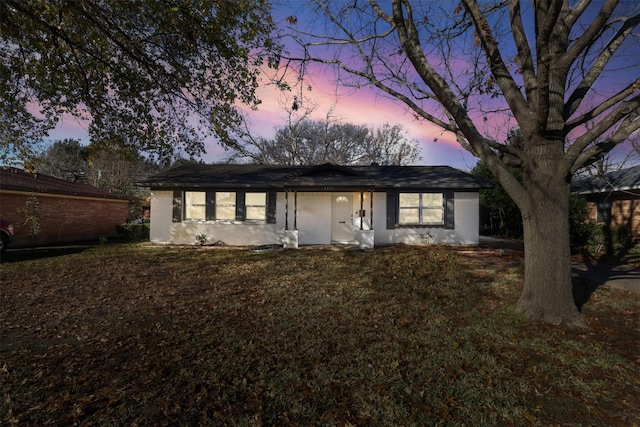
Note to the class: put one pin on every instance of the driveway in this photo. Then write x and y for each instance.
(620, 276)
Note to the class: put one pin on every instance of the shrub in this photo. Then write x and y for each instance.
(202, 239)
(580, 230)
(610, 240)
(32, 217)
(132, 231)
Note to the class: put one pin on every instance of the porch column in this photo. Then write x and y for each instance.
(361, 208)
(290, 237)
(371, 209)
(286, 209)
(365, 238)
(295, 210)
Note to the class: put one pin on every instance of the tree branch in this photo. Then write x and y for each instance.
(505, 81)
(592, 33)
(602, 107)
(524, 51)
(580, 92)
(548, 41)
(626, 111)
(629, 125)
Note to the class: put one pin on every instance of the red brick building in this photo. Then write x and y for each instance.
(69, 211)
(613, 199)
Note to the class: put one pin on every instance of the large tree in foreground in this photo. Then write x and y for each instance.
(547, 67)
(157, 76)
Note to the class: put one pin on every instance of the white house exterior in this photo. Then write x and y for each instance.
(308, 205)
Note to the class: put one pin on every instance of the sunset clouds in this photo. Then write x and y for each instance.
(361, 106)
(350, 105)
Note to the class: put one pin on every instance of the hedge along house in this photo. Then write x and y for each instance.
(308, 205)
(69, 211)
(613, 199)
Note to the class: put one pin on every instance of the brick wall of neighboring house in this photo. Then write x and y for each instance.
(64, 218)
(624, 212)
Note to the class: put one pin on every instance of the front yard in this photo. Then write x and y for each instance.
(141, 335)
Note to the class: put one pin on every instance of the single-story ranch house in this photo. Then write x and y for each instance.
(307, 205)
(69, 211)
(613, 199)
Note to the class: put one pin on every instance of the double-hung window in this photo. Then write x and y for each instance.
(421, 208)
(195, 205)
(225, 205)
(256, 206)
(202, 205)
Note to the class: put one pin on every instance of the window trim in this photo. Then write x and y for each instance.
(269, 206)
(187, 205)
(393, 203)
(421, 208)
(264, 206)
(217, 205)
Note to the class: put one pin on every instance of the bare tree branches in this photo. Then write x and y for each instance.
(569, 39)
(313, 142)
(477, 75)
(582, 89)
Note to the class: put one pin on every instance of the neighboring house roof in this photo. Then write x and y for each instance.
(621, 180)
(19, 180)
(327, 176)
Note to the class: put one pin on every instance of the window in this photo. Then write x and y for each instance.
(604, 213)
(221, 205)
(421, 208)
(225, 205)
(195, 205)
(256, 206)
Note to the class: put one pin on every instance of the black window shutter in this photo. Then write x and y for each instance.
(449, 222)
(211, 205)
(392, 210)
(272, 197)
(240, 206)
(177, 206)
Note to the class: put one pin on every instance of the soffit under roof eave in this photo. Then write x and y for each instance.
(323, 184)
(172, 185)
(58, 192)
(605, 190)
(316, 186)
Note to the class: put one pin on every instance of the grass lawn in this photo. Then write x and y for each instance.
(134, 334)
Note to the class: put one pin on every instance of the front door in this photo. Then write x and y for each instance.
(342, 225)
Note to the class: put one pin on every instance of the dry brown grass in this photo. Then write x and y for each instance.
(142, 335)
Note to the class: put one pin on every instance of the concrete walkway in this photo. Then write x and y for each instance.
(621, 276)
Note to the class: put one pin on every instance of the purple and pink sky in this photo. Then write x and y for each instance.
(361, 107)
(348, 105)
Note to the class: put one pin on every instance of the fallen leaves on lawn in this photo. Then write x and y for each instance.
(137, 334)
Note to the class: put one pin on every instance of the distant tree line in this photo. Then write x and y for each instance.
(114, 168)
(313, 142)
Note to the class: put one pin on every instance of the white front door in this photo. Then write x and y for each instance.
(342, 223)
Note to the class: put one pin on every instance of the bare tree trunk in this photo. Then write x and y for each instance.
(547, 294)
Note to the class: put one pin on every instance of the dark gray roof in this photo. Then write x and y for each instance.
(622, 180)
(19, 180)
(320, 177)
